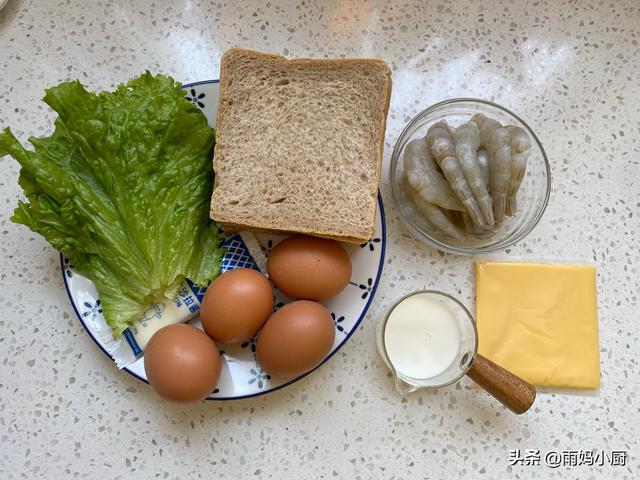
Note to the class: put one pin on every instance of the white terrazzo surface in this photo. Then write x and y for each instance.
(570, 69)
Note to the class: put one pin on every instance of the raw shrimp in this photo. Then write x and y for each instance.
(467, 143)
(469, 226)
(500, 154)
(423, 175)
(440, 142)
(487, 127)
(485, 169)
(421, 222)
(520, 151)
(435, 216)
(412, 212)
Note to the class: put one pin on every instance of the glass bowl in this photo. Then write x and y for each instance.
(532, 196)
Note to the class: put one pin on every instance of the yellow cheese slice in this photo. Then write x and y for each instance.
(540, 321)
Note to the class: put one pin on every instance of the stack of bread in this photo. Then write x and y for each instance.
(299, 144)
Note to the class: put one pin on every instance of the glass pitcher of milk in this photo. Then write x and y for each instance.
(428, 339)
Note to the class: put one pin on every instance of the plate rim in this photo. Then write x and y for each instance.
(374, 288)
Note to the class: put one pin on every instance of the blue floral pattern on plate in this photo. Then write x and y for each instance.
(241, 376)
(337, 322)
(67, 268)
(195, 97)
(251, 344)
(92, 310)
(259, 377)
(371, 243)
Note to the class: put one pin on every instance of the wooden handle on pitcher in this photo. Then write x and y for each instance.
(509, 389)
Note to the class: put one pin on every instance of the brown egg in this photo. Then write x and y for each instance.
(295, 339)
(182, 363)
(236, 305)
(309, 268)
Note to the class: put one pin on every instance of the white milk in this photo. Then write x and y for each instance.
(421, 337)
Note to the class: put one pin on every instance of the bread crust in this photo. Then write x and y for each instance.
(236, 227)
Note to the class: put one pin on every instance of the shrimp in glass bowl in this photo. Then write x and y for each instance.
(456, 172)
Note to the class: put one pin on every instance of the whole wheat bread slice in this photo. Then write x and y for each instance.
(299, 144)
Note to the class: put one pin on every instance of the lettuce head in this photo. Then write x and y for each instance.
(122, 188)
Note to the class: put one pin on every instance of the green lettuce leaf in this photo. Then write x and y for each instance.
(122, 188)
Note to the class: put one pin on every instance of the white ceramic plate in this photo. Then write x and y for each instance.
(241, 375)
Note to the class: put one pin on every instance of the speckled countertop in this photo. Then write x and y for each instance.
(569, 68)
